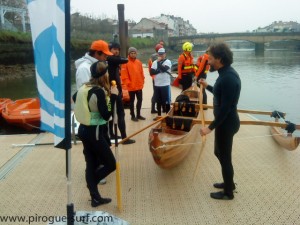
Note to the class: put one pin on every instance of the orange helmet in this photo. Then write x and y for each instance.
(158, 46)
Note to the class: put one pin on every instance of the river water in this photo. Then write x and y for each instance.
(269, 82)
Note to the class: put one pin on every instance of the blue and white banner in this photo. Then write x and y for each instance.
(47, 19)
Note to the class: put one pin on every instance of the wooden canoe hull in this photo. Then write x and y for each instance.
(288, 142)
(23, 113)
(170, 146)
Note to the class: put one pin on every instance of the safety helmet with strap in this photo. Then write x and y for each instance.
(187, 46)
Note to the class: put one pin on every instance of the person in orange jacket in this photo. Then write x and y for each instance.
(186, 70)
(132, 75)
(201, 72)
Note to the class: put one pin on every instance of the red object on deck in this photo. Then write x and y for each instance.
(23, 113)
(176, 82)
(3, 103)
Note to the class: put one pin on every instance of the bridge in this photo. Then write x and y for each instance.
(259, 39)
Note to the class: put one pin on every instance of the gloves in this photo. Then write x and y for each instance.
(114, 90)
(162, 67)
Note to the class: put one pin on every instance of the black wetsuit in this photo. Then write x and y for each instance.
(114, 74)
(96, 147)
(226, 93)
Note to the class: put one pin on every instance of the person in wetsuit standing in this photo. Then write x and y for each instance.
(226, 93)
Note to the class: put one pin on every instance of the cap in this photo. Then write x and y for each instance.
(132, 49)
(161, 51)
(114, 45)
(102, 46)
(98, 69)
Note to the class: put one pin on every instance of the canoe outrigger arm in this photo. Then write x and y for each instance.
(288, 126)
(268, 113)
(247, 122)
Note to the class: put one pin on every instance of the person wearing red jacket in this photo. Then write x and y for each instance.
(132, 75)
(201, 73)
(186, 66)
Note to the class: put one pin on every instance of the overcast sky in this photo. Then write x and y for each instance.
(218, 16)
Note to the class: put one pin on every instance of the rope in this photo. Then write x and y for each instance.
(165, 146)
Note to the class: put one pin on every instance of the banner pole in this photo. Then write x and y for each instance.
(70, 206)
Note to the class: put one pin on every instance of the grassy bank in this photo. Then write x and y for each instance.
(78, 39)
(16, 47)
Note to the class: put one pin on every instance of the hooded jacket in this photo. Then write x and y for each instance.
(132, 74)
(83, 73)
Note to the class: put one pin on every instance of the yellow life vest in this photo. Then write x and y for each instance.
(82, 112)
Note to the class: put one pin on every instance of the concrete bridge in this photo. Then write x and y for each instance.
(259, 39)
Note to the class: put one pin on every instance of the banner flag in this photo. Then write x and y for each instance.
(47, 20)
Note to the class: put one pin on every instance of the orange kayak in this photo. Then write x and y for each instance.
(3, 102)
(24, 113)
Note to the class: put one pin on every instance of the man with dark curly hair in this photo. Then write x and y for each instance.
(226, 92)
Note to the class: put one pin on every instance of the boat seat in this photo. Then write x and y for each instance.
(194, 100)
(179, 123)
(185, 109)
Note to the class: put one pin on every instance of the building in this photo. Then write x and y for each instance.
(162, 27)
(280, 26)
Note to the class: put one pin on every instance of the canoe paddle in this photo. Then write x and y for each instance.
(118, 169)
(203, 124)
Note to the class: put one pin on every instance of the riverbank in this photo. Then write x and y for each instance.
(16, 67)
(11, 72)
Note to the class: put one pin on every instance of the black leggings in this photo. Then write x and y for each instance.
(139, 97)
(120, 115)
(95, 151)
(223, 151)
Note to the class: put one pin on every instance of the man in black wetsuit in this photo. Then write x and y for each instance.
(114, 62)
(226, 123)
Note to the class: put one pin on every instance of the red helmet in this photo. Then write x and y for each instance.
(158, 46)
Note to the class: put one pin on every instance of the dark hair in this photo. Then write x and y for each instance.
(99, 75)
(221, 51)
(98, 69)
(92, 52)
(114, 45)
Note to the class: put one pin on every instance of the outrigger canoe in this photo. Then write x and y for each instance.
(167, 138)
(284, 138)
(23, 113)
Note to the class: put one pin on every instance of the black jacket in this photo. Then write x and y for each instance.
(114, 69)
(226, 93)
